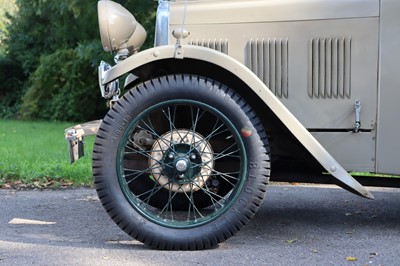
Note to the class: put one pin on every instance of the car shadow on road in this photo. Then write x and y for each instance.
(289, 214)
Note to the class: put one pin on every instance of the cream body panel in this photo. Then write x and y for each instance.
(313, 112)
(299, 25)
(243, 73)
(231, 11)
(388, 141)
(359, 157)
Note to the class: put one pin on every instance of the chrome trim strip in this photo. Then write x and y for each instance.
(162, 23)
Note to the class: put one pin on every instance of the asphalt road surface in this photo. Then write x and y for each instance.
(297, 225)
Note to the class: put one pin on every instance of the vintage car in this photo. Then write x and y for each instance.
(235, 93)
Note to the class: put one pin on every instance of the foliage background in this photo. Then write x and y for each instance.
(49, 53)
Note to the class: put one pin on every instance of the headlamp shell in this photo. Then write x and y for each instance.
(119, 29)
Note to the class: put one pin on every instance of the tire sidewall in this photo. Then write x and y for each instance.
(119, 120)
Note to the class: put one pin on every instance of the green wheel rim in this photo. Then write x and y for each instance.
(181, 153)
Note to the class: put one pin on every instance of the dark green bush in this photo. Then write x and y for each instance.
(54, 49)
(64, 86)
(11, 87)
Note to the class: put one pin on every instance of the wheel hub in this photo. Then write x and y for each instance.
(181, 161)
(181, 165)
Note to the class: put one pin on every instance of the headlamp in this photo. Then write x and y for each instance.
(119, 30)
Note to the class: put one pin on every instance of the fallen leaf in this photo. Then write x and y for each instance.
(67, 184)
(291, 241)
(373, 254)
(28, 221)
(351, 259)
(89, 198)
(6, 186)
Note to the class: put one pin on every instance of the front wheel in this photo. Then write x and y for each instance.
(181, 162)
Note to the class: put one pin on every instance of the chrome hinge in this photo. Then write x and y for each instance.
(357, 108)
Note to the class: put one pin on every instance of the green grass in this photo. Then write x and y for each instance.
(373, 175)
(37, 153)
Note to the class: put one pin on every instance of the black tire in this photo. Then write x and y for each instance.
(181, 162)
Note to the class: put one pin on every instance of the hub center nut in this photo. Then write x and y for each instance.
(181, 165)
(179, 171)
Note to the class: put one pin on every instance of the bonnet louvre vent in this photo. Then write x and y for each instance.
(329, 68)
(218, 45)
(268, 59)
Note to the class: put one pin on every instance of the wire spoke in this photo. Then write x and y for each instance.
(219, 156)
(209, 192)
(191, 203)
(153, 191)
(175, 131)
(213, 201)
(133, 151)
(154, 133)
(195, 122)
(170, 119)
(215, 129)
(217, 173)
(208, 137)
(223, 155)
(169, 203)
(151, 157)
(225, 176)
(134, 171)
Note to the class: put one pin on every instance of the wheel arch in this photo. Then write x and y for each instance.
(197, 60)
(275, 129)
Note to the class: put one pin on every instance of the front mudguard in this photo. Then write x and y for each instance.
(236, 68)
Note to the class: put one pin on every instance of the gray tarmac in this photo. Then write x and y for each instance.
(297, 225)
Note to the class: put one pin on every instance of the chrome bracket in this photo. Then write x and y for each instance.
(179, 35)
(114, 99)
(178, 52)
(109, 90)
(121, 55)
(75, 138)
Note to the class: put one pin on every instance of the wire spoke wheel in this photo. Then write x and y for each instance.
(179, 164)
(171, 165)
